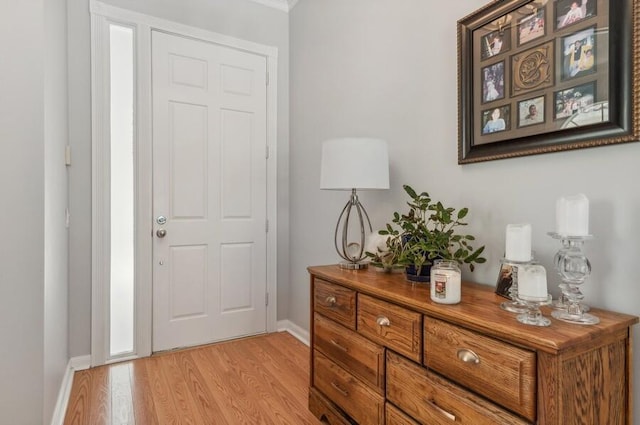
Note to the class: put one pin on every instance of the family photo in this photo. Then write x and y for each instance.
(531, 111)
(579, 54)
(576, 99)
(493, 82)
(571, 11)
(496, 119)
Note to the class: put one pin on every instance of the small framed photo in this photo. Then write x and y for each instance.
(531, 111)
(574, 100)
(532, 26)
(495, 42)
(572, 11)
(579, 54)
(496, 119)
(493, 82)
(505, 280)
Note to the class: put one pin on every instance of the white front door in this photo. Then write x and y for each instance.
(209, 184)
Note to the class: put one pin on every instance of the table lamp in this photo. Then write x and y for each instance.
(353, 163)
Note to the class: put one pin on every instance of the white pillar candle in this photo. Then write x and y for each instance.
(518, 242)
(572, 215)
(532, 283)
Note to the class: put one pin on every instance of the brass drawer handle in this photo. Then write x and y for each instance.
(330, 300)
(383, 321)
(448, 415)
(341, 347)
(340, 390)
(467, 356)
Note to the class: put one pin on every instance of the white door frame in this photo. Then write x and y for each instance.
(102, 15)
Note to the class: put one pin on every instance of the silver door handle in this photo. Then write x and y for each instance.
(161, 233)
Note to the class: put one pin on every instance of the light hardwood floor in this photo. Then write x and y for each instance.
(258, 380)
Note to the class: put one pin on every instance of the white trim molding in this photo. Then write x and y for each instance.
(283, 5)
(102, 15)
(60, 409)
(288, 326)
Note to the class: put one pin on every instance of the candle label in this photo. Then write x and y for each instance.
(440, 286)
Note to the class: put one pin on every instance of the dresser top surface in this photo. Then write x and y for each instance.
(479, 309)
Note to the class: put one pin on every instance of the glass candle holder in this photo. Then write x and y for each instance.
(574, 268)
(533, 316)
(515, 305)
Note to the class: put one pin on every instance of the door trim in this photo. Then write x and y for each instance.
(102, 15)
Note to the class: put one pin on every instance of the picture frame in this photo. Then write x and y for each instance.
(505, 280)
(541, 55)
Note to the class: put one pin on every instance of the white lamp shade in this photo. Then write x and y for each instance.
(354, 163)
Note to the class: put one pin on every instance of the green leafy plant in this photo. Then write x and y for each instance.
(429, 231)
(385, 251)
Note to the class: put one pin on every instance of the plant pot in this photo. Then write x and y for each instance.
(423, 277)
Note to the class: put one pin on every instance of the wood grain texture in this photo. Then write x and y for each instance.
(403, 331)
(564, 374)
(431, 399)
(504, 373)
(259, 380)
(362, 357)
(335, 302)
(395, 416)
(478, 301)
(358, 400)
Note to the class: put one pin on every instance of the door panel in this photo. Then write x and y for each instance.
(209, 177)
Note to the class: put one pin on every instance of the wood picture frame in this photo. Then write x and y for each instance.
(513, 53)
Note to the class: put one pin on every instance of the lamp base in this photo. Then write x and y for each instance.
(353, 266)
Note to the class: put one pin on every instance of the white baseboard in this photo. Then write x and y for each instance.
(75, 363)
(60, 408)
(295, 330)
(80, 362)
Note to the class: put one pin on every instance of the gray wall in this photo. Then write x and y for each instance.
(388, 69)
(55, 203)
(22, 194)
(33, 251)
(238, 18)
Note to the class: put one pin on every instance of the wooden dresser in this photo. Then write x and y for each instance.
(383, 353)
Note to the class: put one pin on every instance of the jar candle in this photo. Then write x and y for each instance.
(446, 282)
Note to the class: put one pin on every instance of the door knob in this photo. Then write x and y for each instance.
(161, 233)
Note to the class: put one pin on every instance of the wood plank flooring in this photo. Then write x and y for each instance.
(258, 380)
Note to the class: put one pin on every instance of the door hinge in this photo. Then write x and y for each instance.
(266, 298)
(67, 155)
(266, 226)
(267, 153)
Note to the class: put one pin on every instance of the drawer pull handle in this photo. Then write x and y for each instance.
(383, 321)
(468, 356)
(340, 390)
(448, 415)
(341, 347)
(331, 300)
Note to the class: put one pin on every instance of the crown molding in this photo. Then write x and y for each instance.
(283, 5)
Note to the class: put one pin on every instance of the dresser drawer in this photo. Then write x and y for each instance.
(335, 302)
(363, 358)
(497, 370)
(395, 416)
(394, 327)
(433, 400)
(324, 409)
(360, 402)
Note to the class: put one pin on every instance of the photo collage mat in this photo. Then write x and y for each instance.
(538, 68)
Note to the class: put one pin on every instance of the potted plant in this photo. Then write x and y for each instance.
(384, 251)
(429, 231)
